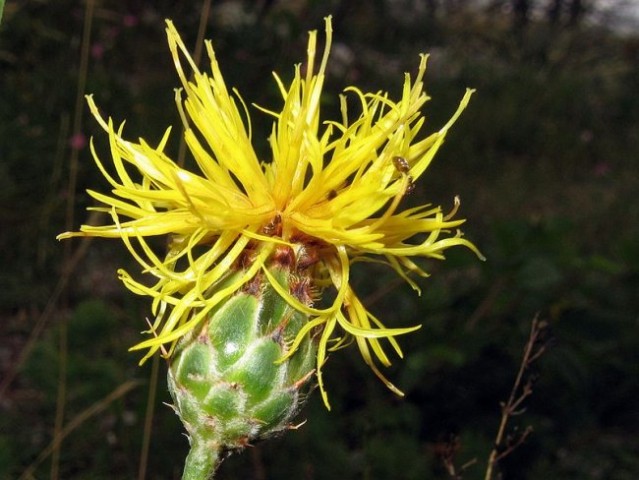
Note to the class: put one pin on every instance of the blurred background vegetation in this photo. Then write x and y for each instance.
(545, 162)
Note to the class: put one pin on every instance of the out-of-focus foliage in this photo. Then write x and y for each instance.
(545, 163)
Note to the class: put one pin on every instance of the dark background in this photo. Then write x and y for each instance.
(545, 162)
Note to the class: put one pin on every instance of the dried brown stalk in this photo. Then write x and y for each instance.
(506, 444)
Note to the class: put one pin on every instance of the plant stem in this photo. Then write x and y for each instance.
(518, 394)
(202, 460)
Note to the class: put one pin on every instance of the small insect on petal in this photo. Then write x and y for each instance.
(402, 166)
(274, 227)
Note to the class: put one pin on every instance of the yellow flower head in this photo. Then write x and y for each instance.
(332, 190)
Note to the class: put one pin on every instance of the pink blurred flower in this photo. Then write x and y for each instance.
(97, 50)
(601, 169)
(78, 141)
(130, 20)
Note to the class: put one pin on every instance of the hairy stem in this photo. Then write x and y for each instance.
(202, 461)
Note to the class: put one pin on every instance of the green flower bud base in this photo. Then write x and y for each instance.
(226, 379)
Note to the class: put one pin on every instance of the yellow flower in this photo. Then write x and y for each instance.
(332, 190)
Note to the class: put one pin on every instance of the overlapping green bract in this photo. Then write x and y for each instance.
(226, 381)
